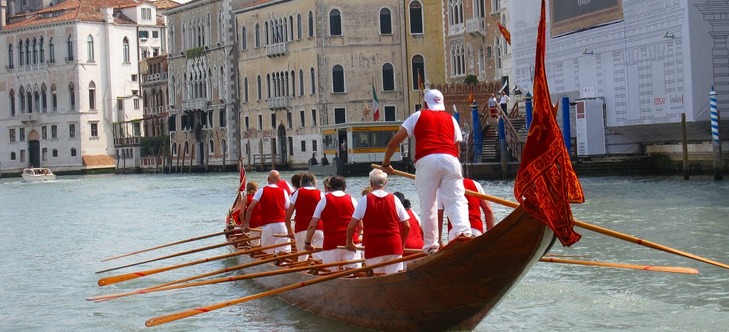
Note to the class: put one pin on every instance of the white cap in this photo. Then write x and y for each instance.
(435, 100)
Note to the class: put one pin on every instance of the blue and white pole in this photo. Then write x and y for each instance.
(716, 141)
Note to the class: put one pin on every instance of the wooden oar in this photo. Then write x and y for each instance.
(224, 270)
(172, 244)
(671, 269)
(134, 275)
(192, 251)
(229, 279)
(598, 229)
(192, 312)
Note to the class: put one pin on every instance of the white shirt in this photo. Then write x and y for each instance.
(504, 99)
(359, 211)
(409, 125)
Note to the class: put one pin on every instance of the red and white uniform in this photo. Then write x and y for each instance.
(304, 201)
(474, 208)
(286, 186)
(335, 212)
(415, 236)
(437, 168)
(273, 201)
(381, 214)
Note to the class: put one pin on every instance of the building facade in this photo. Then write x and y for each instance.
(70, 73)
(203, 110)
(309, 63)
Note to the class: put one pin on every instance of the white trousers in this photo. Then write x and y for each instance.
(316, 241)
(341, 255)
(387, 269)
(442, 172)
(267, 238)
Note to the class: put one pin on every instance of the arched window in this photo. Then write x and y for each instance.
(388, 77)
(291, 28)
(311, 24)
(21, 94)
(293, 83)
(301, 82)
(12, 102)
(54, 98)
(90, 48)
(258, 87)
(416, 17)
(268, 86)
(258, 35)
(27, 51)
(10, 56)
(245, 89)
(313, 81)
(44, 98)
(72, 96)
(418, 69)
(125, 49)
(92, 95)
(266, 33)
(174, 148)
(299, 30)
(73, 152)
(35, 51)
(12, 156)
(211, 144)
(69, 49)
(335, 23)
(21, 59)
(385, 22)
(338, 78)
(42, 52)
(243, 39)
(51, 51)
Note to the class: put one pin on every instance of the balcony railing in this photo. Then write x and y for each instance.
(279, 102)
(455, 29)
(31, 67)
(28, 118)
(150, 78)
(476, 25)
(195, 104)
(277, 49)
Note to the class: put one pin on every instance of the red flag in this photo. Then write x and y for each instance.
(546, 184)
(504, 32)
(241, 177)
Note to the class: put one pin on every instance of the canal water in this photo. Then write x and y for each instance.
(53, 236)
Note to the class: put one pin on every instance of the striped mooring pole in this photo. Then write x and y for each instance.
(716, 141)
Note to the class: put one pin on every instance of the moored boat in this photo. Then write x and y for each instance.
(36, 174)
(452, 289)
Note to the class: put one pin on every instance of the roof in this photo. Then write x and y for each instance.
(75, 10)
(165, 4)
(98, 161)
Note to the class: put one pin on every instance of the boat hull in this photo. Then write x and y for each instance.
(453, 289)
(37, 175)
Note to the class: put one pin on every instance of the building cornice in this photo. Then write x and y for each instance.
(190, 5)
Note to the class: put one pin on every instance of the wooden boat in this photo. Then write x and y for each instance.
(453, 289)
(36, 174)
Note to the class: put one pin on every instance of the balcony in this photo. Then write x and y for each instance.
(476, 25)
(195, 104)
(277, 49)
(279, 102)
(28, 118)
(32, 67)
(454, 30)
(154, 78)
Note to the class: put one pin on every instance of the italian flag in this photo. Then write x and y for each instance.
(375, 104)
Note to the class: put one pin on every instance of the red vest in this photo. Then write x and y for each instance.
(306, 201)
(415, 237)
(381, 227)
(335, 218)
(256, 220)
(434, 134)
(474, 206)
(272, 205)
(285, 185)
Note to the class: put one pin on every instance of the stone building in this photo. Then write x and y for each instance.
(70, 73)
(204, 123)
(309, 63)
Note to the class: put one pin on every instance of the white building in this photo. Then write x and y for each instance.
(642, 63)
(70, 72)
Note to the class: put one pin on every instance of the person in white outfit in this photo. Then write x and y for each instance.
(437, 146)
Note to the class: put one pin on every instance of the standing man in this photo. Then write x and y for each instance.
(304, 201)
(493, 102)
(334, 211)
(437, 146)
(475, 206)
(503, 101)
(381, 215)
(274, 201)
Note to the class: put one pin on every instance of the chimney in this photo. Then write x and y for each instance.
(3, 13)
(108, 15)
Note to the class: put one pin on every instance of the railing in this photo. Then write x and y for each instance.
(127, 141)
(195, 104)
(30, 67)
(476, 25)
(149, 78)
(277, 49)
(278, 102)
(28, 118)
(267, 159)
